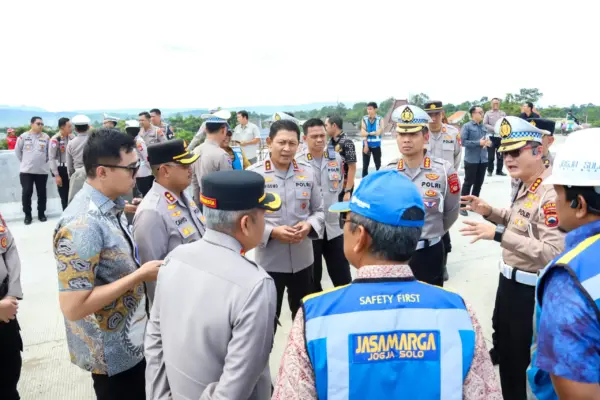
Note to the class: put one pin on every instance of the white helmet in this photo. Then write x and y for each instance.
(577, 162)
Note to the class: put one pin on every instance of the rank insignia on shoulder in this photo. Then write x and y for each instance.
(427, 162)
(295, 164)
(535, 185)
(309, 157)
(170, 198)
(400, 165)
(268, 166)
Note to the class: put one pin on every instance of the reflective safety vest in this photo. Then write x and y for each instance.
(372, 140)
(582, 263)
(237, 162)
(388, 339)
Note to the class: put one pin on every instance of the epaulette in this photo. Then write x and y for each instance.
(256, 165)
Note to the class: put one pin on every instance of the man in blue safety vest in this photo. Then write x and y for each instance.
(235, 151)
(566, 348)
(385, 335)
(371, 130)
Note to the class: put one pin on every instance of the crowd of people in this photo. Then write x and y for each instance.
(161, 302)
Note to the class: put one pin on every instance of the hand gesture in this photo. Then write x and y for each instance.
(475, 204)
(302, 229)
(482, 142)
(8, 309)
(149, 271)
(286, 234)
(480, 230)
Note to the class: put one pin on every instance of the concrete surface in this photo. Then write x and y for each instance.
(48, 374)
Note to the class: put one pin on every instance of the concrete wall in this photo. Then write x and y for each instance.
(10, 190)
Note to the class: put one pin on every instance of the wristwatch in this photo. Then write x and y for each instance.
(348, 190)
(499, 233)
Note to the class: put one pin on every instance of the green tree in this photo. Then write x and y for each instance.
(418, 100)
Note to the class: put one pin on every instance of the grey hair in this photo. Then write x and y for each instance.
(223, 221)
(388, 242)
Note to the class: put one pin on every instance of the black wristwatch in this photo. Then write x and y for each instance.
(499, 233)
(348, 190)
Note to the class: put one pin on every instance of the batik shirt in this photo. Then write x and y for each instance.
(93, 247)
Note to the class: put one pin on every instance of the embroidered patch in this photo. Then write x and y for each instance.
(336, 184)
(549, 208)
(268, 180)
(208, 201)
(176, 213)
(171, 206)
(429, 203)
(2, 229)
(62, 149)
(432, 177)
(140, 147)
(431, 193)
(551, 220)
(333, 164)
(53, 144)
(3, 242)
(519, 222)
(301, 177)
(170, 198)
(303, 206)
(528, 204)
(454, 183)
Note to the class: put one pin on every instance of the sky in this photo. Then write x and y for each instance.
(65, 55)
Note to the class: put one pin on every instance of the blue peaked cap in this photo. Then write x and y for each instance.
(383, 196)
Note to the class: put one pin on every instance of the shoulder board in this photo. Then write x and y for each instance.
(400, 165)
(170, 198)
(535, 185)
(427, 162)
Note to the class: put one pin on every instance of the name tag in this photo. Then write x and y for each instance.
(395, 346)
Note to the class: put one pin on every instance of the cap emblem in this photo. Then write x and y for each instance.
(532, 123)
(277, 117)
(505, 128)
(407, 115)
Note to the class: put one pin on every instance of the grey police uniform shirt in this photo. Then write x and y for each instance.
(329, 176)
(57, 154)
(440, 187)
(301, 200)
(445, 144)
(162, 222)
(152, 135)
(210, 331)
(199, 138)
(10, 263)
(76, 182)
(516, 183)
(142, 152)
(212, 158)
(32, 152)
(75, 152)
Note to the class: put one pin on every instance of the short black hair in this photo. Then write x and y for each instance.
(336, 120)
(529, 104)
(243, 113)
(105, 146)
(82, 128)
(132, 130)
(473, 109)
(155, 111)
(283, 125)
(62, 122)
(311, 123)
(214, 127)
(33, 119)
(144, 114)
(495, 98)
(592, 198)
(372, 104)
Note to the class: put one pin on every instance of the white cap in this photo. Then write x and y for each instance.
(577, 162)
(108, 118)
(80, 120)
(132, 123)
(221, 116)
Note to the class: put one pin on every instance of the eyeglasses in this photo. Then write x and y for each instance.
(132, 167)
(516, 153)
(39, 123)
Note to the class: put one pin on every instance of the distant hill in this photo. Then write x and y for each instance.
(11, 116)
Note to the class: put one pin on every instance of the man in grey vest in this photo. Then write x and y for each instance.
(211, 327)
(32, 152)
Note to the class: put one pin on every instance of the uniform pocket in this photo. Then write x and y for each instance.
(302, 201)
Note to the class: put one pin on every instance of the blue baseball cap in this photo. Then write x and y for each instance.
(383, 196)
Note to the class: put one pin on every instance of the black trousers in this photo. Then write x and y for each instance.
(514, 329)
(63, 191)
(337, 265)
(376, 151)
(474, 176)
(493, 153)
(127, 385)
(11, 347)
(427, 264)
(144, 184)
(27, 182)
(298, 284)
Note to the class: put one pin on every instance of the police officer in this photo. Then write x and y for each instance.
(567, 354)
(547, 127)
(58, 158)
(211, 327)
(342, 144)
(327, 166)
(166, 218)
(75, 146)
(440, 188)
(444, 143)
(110, 122)
(386, 335)
(285, 251)
(32, 152)
(150, 133)
(211, 156)
(144, 177)
(371, 130)
(236, 153)
(11, 344)
(529, 236)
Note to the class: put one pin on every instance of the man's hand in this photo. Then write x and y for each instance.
(58, 180)
(475, 204)
(303, 229)
(347, 196)
(8, 309)
(482, 142)
(481, 230)
(130, 208)
(149, 271)
(286, 234)
(366, 149)
(488, 143)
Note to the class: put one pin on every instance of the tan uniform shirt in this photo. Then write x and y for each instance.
(57, 155)
(440, 187)
(212, 158)
(142, 151)
(32, 152)
(162, 222)
(10, 264)
(301, 200)
(329, 177)
(75, 152)
(532, 238)
(445, 145)
(152, 135)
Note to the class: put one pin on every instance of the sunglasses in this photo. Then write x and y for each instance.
(516, 153)
(133, 168)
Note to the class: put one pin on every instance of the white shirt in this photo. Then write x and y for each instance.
(246, 134)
